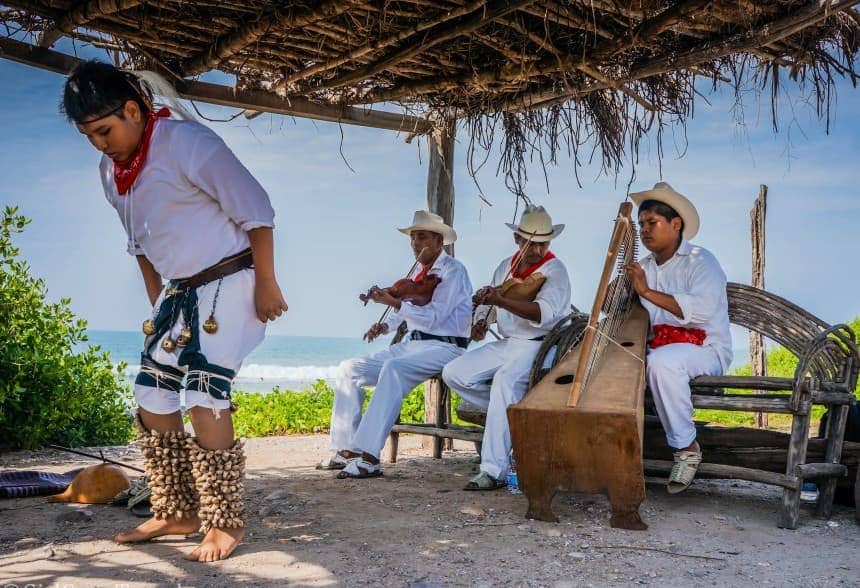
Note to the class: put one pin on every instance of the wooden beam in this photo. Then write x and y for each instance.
(433, 37)
(81, 15)
(226, 96)
(758, 353)
(228, 45)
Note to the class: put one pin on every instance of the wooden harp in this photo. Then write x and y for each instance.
(580, 428)
(612, 300)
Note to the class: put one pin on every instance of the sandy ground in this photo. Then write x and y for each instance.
(415, 527)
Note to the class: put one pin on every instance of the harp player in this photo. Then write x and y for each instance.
(531, 292)
(683, 288)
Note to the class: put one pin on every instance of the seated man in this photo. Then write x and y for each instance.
(531, 291)
(683, 288)
(439, 333)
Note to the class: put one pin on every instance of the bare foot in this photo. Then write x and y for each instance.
(157, 527)
(218, 544)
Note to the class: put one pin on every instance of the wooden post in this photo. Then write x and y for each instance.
(758, 355)
(440, 200)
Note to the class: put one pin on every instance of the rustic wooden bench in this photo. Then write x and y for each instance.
(826, 374)
(827, 371)
(559, 340)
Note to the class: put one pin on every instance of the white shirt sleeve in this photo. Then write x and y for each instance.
(706, 285)
(211, 166)
(450, 293)
(554, 296)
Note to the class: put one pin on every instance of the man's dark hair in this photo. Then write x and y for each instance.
(97, 89)
(662, 209)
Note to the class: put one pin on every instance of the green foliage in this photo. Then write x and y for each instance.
(284, 412)
(780, 363)
(49, 393)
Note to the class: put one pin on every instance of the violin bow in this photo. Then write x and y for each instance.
(411, 269)
(519, 256)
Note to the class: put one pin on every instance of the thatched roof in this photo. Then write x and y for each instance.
(560, 71)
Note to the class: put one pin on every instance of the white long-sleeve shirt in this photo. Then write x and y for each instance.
(449, 312)
(193, 202)
(553, 299)
(693, 277)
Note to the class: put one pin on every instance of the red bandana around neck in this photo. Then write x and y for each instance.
(521, 275)
(419, 277)
(667, 334)
(125, 172)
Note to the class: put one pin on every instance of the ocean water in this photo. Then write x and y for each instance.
(289, 362)
(292, 362)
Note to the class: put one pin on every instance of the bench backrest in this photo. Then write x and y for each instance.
(792, 327)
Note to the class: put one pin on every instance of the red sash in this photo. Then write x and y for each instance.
(125, 172)
(530, 269)
(666, 334)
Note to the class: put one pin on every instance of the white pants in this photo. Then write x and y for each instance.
(239, 332)
(395, 372)
(508, 363)
(669, 370)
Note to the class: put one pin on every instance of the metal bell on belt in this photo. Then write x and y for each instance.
(148, 327)
(168, 345)
(184, 337)
(210, 325)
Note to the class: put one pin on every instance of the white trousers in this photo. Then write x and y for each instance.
(239, 332)
(507, 363)
(395, 372)
(669, 370)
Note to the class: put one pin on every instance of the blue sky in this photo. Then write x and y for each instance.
(336, 234)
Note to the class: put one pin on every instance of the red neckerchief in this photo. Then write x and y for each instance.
(666, 334)
(419, 277)
(125, 172)
(530, 269)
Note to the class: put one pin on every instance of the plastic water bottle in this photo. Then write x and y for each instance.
(512, 480)
(809, 492)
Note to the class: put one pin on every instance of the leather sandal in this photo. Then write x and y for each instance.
(683, 471)
(360, 468)
(484, 481)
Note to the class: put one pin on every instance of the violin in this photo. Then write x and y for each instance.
(407, 290)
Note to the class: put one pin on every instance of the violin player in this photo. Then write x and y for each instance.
(439, 323)
(529, 295)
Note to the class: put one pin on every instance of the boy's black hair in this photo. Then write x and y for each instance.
(662, 209)
(97, 89)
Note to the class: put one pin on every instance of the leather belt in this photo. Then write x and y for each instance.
(422, 336)
(225, 267)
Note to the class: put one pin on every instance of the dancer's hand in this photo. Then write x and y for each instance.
(268, 299)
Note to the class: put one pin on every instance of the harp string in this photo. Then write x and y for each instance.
(612, 301)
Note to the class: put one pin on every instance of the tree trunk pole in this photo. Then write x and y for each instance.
(440, 200)
(758, 355)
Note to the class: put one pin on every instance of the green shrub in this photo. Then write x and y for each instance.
(284, 412)
(49, 393)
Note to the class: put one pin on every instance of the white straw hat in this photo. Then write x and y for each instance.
(536, 224)
(424, 220)
(663, 192)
